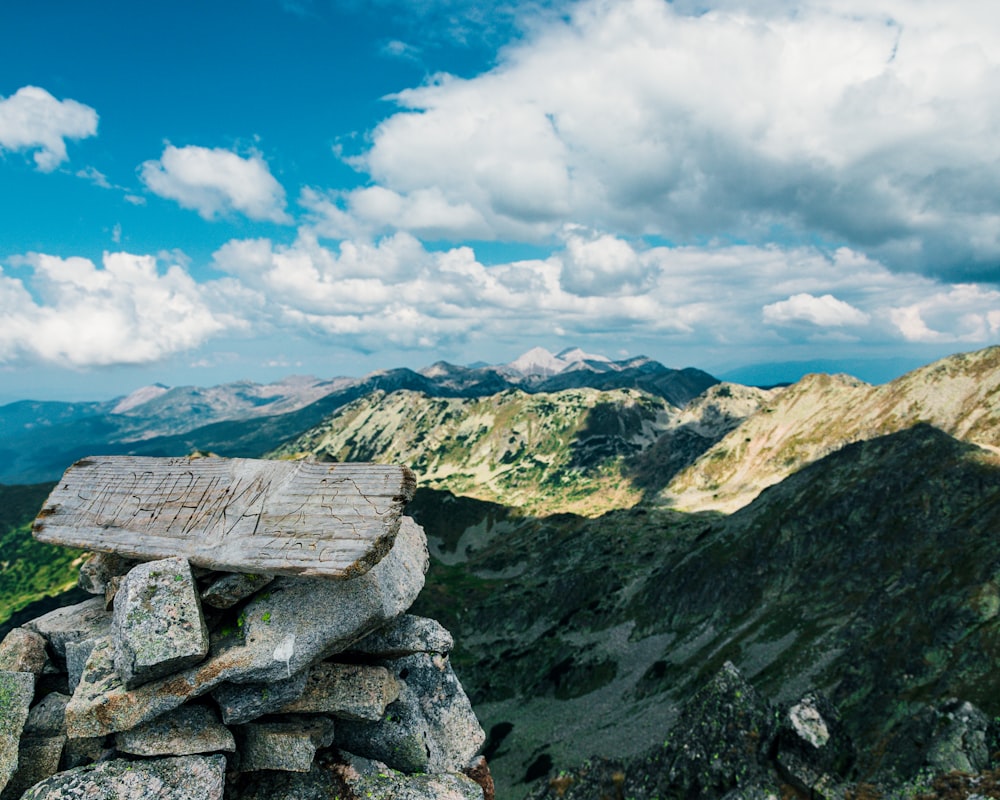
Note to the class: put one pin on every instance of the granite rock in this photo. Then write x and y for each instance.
(86, 620)
(181, 778)
(48, 716)
(243, 702)
(363, 777)
(346, 691)
(16, 692)
(186, 731)
(23, 650)
(229, 588)
(38, 758)
(404, 636)
(288, 746)
(295, 623)
(77, 654)
(98, 571)
(158, 623)
(430, 728)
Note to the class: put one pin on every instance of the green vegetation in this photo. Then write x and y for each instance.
(29, 569)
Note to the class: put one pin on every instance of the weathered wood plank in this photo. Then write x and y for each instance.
(233, 514)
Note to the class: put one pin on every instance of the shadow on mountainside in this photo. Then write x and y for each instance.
(872, 574)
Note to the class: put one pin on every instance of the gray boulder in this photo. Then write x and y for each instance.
(231, 587)
(86, 620)
(48, 716)
(23, 650)
(294, 624)
(289, 746)
(182, 778)
(346, 691)
(158, 624)
(367, 778)
(430, 728)
(186, 731)
(16, 692)
(404, 636)
(814, 752)
(38, 758)
(243, 702)
(97, 572)
(77, 654)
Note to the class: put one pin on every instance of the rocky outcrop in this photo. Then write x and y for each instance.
(201, 685)
(730, 743)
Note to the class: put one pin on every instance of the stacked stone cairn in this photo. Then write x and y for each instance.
(188, 683)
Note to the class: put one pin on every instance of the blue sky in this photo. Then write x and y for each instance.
(203, 192)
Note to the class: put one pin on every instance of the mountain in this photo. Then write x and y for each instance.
(843, 541)
(543, 451)
(39, 440)
(821, 413)
(539, 362)
(859, 576)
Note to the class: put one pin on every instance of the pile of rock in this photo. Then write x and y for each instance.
(182, 683)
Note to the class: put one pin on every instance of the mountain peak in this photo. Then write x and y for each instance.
(537, 361)
(574, 354)
(140, 397)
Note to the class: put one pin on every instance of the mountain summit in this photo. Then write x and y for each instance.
(540, 362)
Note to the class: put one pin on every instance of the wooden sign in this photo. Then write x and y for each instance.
(231, 514)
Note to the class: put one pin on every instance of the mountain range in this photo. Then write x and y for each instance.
(606, 535)
(39, 439)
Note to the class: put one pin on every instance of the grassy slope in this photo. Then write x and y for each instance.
(29, 570)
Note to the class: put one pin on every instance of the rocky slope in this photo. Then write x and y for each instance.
(862, 576)
(821, 413)
(576, 450)
(540, 451)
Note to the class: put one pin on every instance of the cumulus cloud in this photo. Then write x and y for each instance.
(32, 119)
(216, 182)
(366, 294)
(869, 124)
(74, 313)
(825, 312)
(965, 313)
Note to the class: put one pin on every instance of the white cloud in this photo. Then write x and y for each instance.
(873, 124)
(603, 265)
(825, 312)
(81, 315)
(32, 119)
(216, 182)
(365, 294)
(965, 313)
(95, 176)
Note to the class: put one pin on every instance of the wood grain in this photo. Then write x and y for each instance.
(232, 514)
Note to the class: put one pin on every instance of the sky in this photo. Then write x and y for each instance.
(195, 193)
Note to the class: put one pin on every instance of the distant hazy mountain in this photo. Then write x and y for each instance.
(39, 440)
